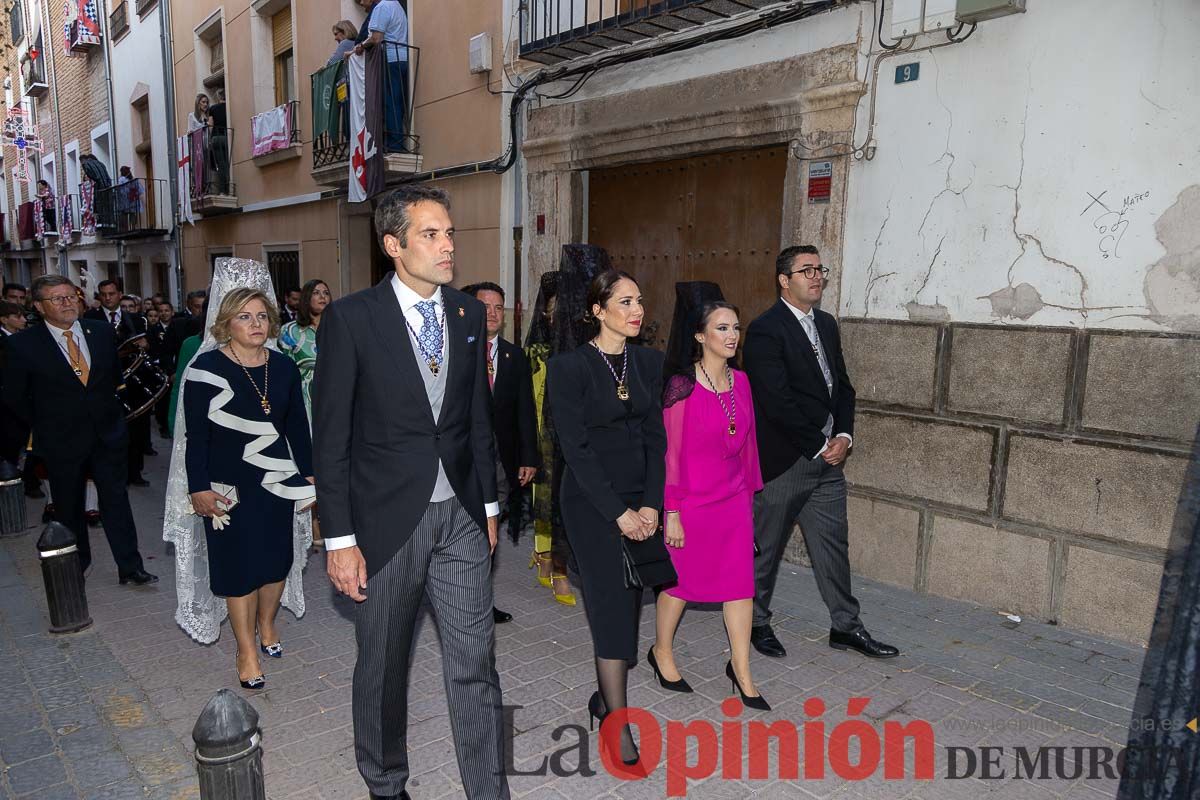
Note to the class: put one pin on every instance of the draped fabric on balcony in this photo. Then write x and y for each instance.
(198, 140)
(26, 224)
(326, 109)
(271, 130)
(87, 207)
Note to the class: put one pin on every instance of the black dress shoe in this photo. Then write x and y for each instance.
(138, 481)
(139, 577)
(402, 796)
(499, 616)
(862, 642)
(93, 518)
(764, 641)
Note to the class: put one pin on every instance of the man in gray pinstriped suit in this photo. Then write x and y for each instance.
(407, 490)
(804, 411)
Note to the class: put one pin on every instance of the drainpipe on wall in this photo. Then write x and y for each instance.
(112, 134)
(64, 264)
(168, 62)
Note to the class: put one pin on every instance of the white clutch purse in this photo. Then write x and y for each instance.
(230, 495)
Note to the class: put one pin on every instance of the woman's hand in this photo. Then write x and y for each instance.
(650, 516)
(673, 530)
(209, 503)
(632, 525)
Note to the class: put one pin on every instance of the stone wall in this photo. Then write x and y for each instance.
(1033, 470)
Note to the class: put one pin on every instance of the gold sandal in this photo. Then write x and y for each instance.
(541, 560)
(567, 599)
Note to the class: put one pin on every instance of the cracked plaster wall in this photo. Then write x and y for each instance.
(1043, 172)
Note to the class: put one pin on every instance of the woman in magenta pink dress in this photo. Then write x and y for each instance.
(712, 475)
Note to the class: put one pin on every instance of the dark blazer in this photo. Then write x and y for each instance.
(609, 450)
(791, 403)
(130, 324)
(514, 413)
(67, 417)
(376, 442)
(180, 327)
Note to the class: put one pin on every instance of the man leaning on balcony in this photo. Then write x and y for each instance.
(387, 24)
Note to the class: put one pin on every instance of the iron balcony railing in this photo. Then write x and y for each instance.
(557, 30)
(136, 208)
(210, 150)
(331, 106)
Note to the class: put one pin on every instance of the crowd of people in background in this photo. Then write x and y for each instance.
(421, 431)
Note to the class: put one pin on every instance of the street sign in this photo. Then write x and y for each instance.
(820, 181)
(906, 73)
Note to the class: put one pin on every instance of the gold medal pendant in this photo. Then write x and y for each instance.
(434, 367)
(622, 391)
(732, 429)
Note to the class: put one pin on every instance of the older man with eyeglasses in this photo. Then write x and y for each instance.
(804, 409)
(61, 380)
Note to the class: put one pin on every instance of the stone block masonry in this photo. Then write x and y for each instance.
(1032, 470)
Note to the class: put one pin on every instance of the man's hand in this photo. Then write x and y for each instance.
(347, 571)
(493, 532)
(358, 50)
(835, 451)
(525, 475)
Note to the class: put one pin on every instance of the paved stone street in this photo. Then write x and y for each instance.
(108, 713)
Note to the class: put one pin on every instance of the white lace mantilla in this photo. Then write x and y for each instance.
(199, 612)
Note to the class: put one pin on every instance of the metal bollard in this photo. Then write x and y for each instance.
(12, 500)
(228, 750)
(64, 579)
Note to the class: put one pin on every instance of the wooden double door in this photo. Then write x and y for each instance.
(713, 217)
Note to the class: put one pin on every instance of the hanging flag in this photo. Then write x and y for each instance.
(184, 181)
(87, 207)
(366, 125)
(39, 220)
(66, 226)
(326, 110)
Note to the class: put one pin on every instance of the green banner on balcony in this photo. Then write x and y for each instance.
(326, 110)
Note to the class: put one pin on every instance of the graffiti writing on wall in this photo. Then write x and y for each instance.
(1110, 223)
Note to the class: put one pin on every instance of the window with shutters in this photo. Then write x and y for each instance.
(281, 48)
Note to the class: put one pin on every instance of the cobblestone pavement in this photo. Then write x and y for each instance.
(108, 713)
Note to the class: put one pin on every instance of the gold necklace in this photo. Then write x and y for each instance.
(622, 386)
(262, 396)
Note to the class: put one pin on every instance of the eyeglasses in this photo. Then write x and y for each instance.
(59, 299)
(810, 272)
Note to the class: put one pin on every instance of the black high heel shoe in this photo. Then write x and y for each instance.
(595, 713)
(757, 702)
(257, 682)
(675, 686)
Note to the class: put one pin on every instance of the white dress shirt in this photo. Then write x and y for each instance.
(408, 300)
(806, 318)
(81, 340)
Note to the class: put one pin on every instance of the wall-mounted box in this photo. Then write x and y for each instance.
(907, 16)
(939, 15)
(971, 11)
(480, 53)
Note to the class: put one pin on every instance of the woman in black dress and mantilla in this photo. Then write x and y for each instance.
(606, 402)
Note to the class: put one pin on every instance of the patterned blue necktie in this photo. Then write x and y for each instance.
(430, 336)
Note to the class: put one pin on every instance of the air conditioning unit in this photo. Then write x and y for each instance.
(971, 11)
(480, 53)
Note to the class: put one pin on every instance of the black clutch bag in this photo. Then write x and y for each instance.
(647, 563)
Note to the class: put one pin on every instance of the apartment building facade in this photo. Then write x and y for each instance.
(287, 206)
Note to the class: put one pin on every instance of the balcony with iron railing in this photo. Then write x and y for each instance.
(331, 118)
(210, 171)
(276, 134)
(137, 208)
(559, 30)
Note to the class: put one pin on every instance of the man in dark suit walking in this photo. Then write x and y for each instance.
(513, 413)
(61, 379)
(125, 326)
(804, 409)
(406, 482)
